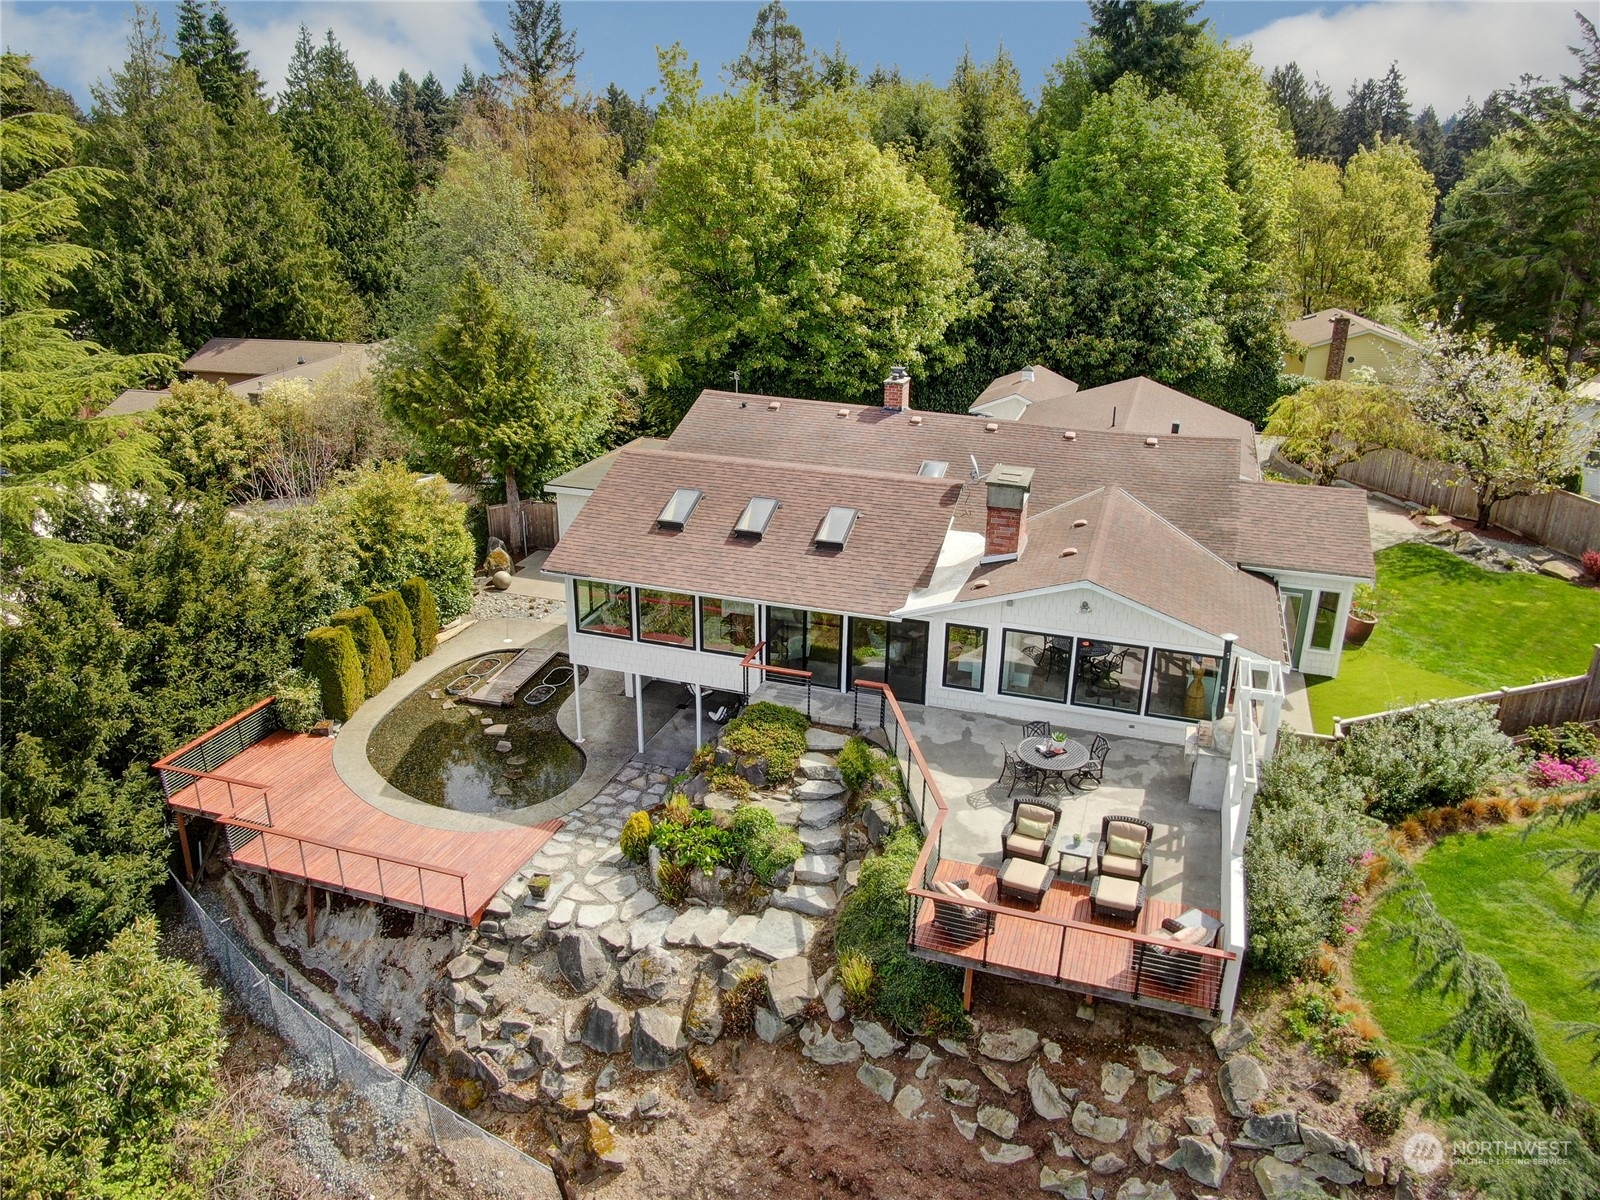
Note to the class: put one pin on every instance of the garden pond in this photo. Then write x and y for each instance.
(432, 745)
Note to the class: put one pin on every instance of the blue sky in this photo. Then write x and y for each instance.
(1447, 49)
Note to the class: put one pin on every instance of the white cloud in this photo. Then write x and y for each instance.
(72, 45)
(381, 38)
(1446, 51)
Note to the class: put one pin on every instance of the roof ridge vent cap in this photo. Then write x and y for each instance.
(1070, 435)
(774, 405)
(1079, 523)
(1150, 441)
(1069, 552)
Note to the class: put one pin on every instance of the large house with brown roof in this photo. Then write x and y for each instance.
(1059, 568)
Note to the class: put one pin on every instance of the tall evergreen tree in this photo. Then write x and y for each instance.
(1361, 120)
(1427, 137)
(988, 155)
(352, 160)
(209, 44)
(1158, 40)
(542, 59)
(1394, 109)
(414, 113)
(629, 121)
(1309, 109)
(775, 60)
(209, 230)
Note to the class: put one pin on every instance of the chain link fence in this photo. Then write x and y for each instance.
(406, 1115)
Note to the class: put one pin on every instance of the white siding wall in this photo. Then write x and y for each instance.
(1059, 613)
(568, 505)
(1320, 662)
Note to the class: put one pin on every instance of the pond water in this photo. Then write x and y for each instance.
(432, 746)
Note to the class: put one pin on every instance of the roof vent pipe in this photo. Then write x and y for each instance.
(1027, 374)
(973, 459)
(1113, 416)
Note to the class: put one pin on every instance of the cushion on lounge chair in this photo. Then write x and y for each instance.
(1198, 936)
(1124, 847)
(1030, 828)
(1035, 812)
(1127, 829)
(959, 894)
(969, 894)
(1122, 868)
(1025, 846)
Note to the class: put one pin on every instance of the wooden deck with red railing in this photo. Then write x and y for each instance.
(289, 814)
(1064, 945)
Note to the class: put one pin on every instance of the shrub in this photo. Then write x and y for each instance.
(424, 614)
(1307, 852)
(912, 994)
(1438, 754)
(377, 668)
(1591, 563)
(104, 1058)
(298, 700)
(674, 883)
(332, 660)
(636, 834)
(766, 846)
(394, 618)
(1383, 1112)
(698, 843)
(740, 1002)
(857, 765)
(1568, 742)
(1553, 772)
(1383, 1070)
(771, 731)
(855, 980)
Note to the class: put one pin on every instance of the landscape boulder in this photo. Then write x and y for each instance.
(581, 959)
(607, 1027)
(657, 1039)
(791, 986)
(702, 1016)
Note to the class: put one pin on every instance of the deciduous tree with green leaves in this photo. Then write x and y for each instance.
(1332, 423)
(805, 257)
(1494, 416)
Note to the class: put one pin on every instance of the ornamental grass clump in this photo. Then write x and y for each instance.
(740, 1002)
(856, 978)
(768, 847)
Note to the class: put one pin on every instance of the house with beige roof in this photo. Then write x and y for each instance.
(248, 366)
(1066, 569)
(1332, 343)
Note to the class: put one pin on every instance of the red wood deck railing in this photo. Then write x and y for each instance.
(228, 739)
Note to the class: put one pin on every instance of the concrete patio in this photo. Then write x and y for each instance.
(965, 752)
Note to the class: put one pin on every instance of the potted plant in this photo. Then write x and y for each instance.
(1365, 609)
(1059, 737)
(538, 886)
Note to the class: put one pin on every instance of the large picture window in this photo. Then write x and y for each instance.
(1182, 686)
(1322, 624)
(1108, 675)
(604, 608)
(964, 649)
(666, 618)
(727, 626)
(1035, 665)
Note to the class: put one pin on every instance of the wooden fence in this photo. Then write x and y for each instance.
(525, 527)
(1562, 521)
(1553, 702)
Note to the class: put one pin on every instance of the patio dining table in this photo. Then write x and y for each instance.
(1032, 752)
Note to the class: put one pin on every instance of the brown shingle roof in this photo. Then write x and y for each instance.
(1317, 329)
(1045, 384)
(134, 400)
(1188, 480)
(891, 549)
(1297, 527)
(1142, 405)
(259, 356)
(1127, 549)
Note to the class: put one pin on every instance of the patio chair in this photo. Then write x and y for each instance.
(1124, 850)
(1030, 833)
(1036, 729)
(958, 918)
(1094, 769)
(1173, 966)
(1019, 771)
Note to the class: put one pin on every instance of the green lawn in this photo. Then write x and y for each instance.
(1450, 629)
(1496, 890)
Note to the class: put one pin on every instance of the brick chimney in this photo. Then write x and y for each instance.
(1005, 526)
(1341, 337)
(897, 389)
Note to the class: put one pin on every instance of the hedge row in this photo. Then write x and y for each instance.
(361, 649)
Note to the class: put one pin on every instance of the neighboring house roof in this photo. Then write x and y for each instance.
(890, 551)
(260, 356)
(350, 356)
(1033, 384)
(1317, 329)
(1298, 527)
(1142, 405)
(587, 477)
(1126, 548)
(134, 400)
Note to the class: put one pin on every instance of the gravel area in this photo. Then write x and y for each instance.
(490, 605)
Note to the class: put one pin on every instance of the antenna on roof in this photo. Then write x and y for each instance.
(735, 383)
(976, 474)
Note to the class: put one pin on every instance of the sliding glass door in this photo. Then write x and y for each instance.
(805, 641)
(892, 652)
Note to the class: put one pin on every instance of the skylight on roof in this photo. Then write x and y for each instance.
(678, 508)
(933, 469)
(755, 518)
(835, 527)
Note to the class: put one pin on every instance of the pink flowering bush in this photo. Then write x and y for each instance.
(1549, 771)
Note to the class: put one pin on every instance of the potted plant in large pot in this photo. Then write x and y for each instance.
(1366, 607)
